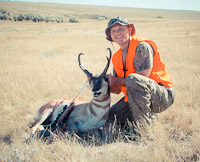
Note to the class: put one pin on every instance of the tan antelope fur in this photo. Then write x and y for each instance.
(85, 116)
(49, 112)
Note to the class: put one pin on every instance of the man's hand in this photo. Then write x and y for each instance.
(111, 80)
(115, 83)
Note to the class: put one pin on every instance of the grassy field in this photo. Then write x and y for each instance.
(38, 62)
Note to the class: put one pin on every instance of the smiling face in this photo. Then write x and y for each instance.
(120, 34)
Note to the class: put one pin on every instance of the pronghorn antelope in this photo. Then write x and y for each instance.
(85, 116)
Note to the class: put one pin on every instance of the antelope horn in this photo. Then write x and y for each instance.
(82, 67)
(107, 66)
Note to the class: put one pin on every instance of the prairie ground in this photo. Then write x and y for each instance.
(38, 62)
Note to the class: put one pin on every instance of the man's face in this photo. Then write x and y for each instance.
(120, 34)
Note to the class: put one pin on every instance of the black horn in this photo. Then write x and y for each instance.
(108, 64)
(82, 67)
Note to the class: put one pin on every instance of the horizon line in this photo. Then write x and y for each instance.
(102, 5)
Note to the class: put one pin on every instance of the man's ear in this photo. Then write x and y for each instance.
(130, 30)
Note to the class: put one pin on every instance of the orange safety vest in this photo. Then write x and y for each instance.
(159, 72)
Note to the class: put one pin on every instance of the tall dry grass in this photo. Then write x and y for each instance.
(39, 62)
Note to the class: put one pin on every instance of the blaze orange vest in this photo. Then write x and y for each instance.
(159, 72)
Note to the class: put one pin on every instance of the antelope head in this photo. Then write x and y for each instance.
(98, 83)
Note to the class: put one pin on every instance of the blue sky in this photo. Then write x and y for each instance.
(153, 4)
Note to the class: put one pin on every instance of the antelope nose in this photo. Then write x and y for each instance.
(94, 89)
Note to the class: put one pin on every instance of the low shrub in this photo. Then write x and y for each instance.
(2, 11)
(35, 19)
(20, 17)
(159, 17)
(101, 18)
(28, 16)
(40, 18)
(4, 15)
(73, 20)
(47, 19)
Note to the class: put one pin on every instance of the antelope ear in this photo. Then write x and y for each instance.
(90, 77)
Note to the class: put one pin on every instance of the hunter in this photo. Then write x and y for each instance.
(140, 74)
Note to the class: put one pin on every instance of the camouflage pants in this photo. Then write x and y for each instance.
(146, 97)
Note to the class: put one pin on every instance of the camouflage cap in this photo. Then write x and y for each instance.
(118, 20)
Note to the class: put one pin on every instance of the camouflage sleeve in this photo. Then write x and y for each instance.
(143, 57)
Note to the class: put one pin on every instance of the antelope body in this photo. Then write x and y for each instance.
(85, 116)
(91, 115)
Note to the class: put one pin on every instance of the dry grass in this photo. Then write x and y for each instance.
(39, 62)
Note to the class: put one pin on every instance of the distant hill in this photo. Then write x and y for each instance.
(90, 12)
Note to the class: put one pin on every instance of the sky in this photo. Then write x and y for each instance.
(152, 4)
